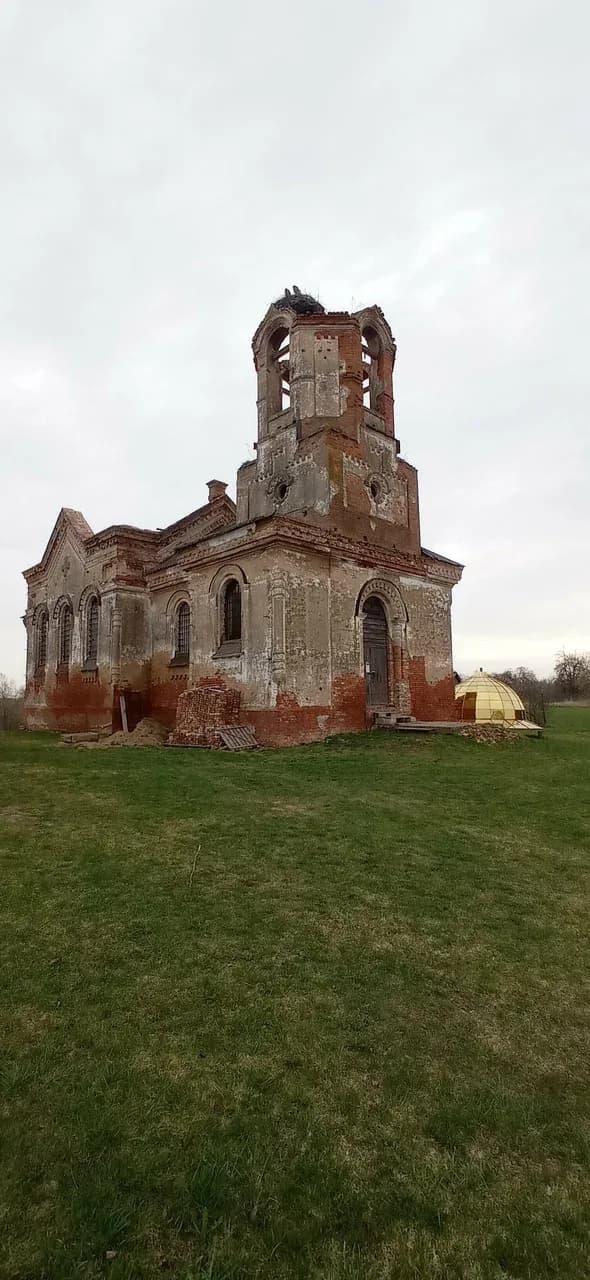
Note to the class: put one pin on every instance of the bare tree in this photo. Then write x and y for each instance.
(11, 704)
(572, 674)
(533, 692)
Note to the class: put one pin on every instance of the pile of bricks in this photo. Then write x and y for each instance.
(200, 713)
(491, 733)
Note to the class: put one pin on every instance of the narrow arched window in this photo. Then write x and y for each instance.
(371, 350)
(42, 634)
(92, 616)
(64, 642)
(182, 639)
(279, 377)
(232, 611)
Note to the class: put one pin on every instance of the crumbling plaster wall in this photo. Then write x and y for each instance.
(328, 456)
(301, 633)
(202, 588)
(285, 630)
(365, 489)
(429, 625)
(131, 654)
(282, 464)
(426, 631)
(82, 697)
(83, 700)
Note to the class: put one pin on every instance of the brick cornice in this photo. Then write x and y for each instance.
(294, 533)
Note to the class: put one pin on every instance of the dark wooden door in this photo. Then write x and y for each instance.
(375, 653)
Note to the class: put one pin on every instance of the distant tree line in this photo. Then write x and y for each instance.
(11, 704)
(535, 693)
(570, 682)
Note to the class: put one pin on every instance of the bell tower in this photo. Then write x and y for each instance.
(326, 449)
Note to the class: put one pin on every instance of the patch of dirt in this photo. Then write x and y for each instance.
(16, 818)
(293, 806)
(148, 733)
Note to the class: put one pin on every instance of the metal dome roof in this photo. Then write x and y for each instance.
(493, 699)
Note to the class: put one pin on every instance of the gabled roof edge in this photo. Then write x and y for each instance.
(68, 518)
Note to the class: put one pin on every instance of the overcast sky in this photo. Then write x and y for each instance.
(168, 166)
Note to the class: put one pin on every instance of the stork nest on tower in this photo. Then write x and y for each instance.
(302, 303)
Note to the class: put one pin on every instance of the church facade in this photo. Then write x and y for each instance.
(310, 599)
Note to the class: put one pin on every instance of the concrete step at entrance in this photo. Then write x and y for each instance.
(390, 719)
(431, 726)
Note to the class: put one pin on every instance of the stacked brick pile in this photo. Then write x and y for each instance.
(201, 712)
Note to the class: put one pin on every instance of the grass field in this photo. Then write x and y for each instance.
(313, 1013)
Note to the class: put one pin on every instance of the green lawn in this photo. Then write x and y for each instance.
(313, 1013)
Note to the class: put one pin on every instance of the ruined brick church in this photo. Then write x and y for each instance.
(309, 604)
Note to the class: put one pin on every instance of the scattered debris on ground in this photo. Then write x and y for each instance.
(222, 737)
(76, 739)
(500, 732)
(148, 733)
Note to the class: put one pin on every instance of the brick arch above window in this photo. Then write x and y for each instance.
(59, 604)
(181, 596)
(227, 571)
(86, 595)
(276, 318)
(390, 596)
(43, 607)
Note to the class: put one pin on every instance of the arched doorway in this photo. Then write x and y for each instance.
(375, 652)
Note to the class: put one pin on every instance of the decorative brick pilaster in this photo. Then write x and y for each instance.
(277, 627)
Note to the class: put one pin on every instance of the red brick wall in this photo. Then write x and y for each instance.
(163, 697)
(83, 703)
(285, 724)
(430, 701)
(77, 704)
(289, 723)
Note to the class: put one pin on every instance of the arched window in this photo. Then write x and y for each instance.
(182, 635)
(92, 616)
(42, 635)
(279, 382)
(64, 638)
(371, 350)
(232, 612)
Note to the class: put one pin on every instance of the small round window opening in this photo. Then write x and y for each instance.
(375, 488)
(282, 491)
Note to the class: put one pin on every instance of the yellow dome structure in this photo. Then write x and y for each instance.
(486, 700)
